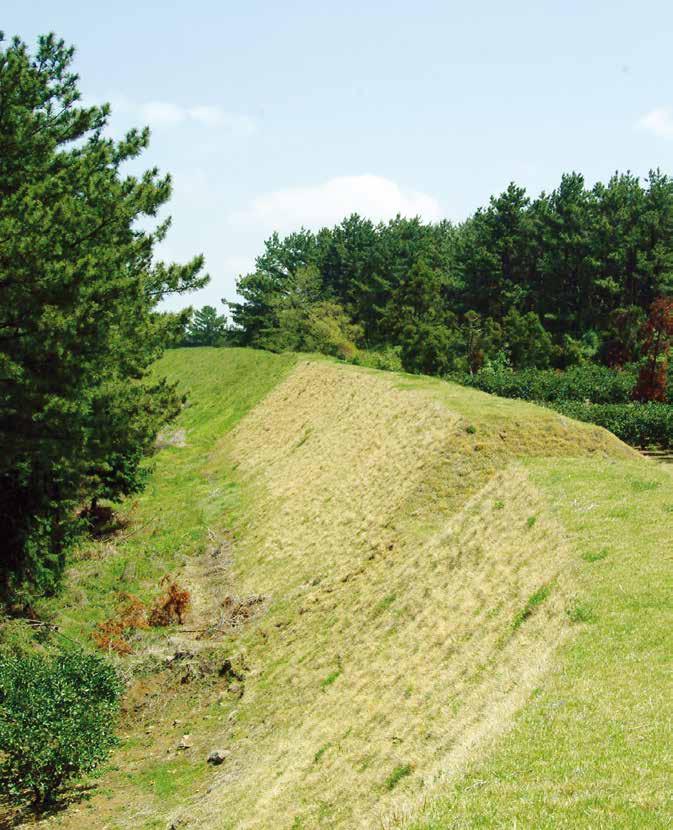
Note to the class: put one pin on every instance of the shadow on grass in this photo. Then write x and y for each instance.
(17, 814)
(102, 521)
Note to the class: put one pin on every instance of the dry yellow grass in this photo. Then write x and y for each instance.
(390, 642)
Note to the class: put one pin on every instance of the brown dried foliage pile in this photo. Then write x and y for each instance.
(171, 607)
(114, 633)
(132, 614)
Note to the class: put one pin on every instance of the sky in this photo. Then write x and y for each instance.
(271, 115)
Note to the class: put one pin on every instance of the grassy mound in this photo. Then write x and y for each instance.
(420, 562)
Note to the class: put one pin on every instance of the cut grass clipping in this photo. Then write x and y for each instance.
(534, 600)
(397, 775)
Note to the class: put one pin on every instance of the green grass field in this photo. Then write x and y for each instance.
(454, 610)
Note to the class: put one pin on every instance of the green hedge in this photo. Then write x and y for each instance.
(640, 424)
(591, 393)
(594, 383)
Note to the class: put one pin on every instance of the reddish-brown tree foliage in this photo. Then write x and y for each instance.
(651, 384)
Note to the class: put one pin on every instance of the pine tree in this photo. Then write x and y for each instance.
(275, 270)
(206, 328)
(78, 322)
(419, 322)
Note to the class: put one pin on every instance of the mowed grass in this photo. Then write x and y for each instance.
(594, 746)
(427, 555)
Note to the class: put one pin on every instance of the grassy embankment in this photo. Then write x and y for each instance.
(426, 561)
(169, 523)
(593, 746)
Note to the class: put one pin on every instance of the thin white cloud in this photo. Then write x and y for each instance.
(166, 114)
(235, 266)
(373, 197)
(160, 113)
(211, 116)
(658, 121)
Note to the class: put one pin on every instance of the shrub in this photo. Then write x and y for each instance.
(595, 383)
(386, 358)
(640, 424)
(20, 637)
(591, 393)
(57, 716)
(330, 331)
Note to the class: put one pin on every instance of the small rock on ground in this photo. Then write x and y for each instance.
(217, 756)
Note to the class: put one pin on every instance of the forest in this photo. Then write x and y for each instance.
(564, 298)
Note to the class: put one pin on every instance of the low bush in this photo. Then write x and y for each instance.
(639, 424)
(598, 384)
(386, 358)
(20, 637)
(57, 717)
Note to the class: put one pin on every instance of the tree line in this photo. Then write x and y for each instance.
(559, 280)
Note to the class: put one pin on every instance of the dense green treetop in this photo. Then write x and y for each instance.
(205, 327)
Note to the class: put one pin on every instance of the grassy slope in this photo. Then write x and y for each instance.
(416, 582)
(593, 748)
(170, 520)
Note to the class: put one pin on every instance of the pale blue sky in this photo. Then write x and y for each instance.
(273, 115)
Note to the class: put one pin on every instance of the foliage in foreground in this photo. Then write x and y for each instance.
(79, 325)
(57, 717)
